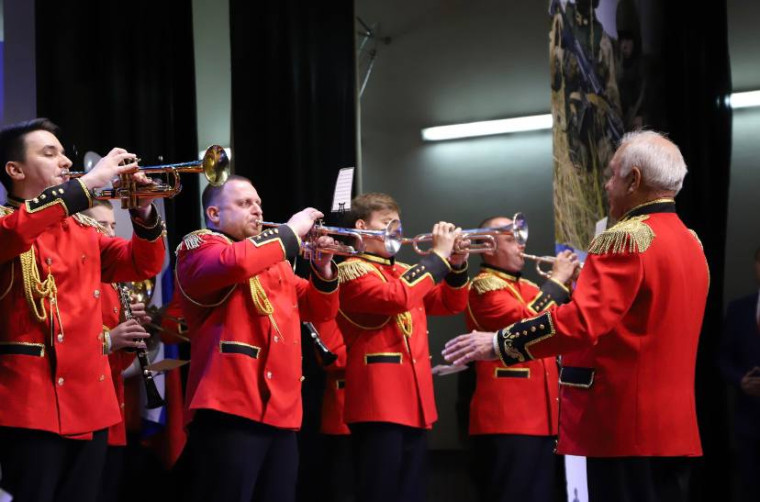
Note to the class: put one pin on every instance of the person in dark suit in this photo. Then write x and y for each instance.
(740, 363)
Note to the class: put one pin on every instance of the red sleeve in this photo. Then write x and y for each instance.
(607, 288)
(373, 293)
(211, 263)
(317, 297)
(19, 229)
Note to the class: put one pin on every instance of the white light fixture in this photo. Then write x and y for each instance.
(745, 99)
(488, 128)
(537, 122)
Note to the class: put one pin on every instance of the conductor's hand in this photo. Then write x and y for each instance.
(128, 334)
(108, 168)
(474, 346)
(444, 236)
(302, 221)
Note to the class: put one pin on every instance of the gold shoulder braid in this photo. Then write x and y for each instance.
(35, 289)
(483, 283)
(87, 221)
(631, 235)
(404, 323)
(353, 269)
(5, 211)
(262, 303)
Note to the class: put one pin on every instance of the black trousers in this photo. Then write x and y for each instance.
(237, 460)
(110, 488)
(39, 466)
(511, 467)
(748, 465)
(391, 462)
(337, 470)
(638, 479)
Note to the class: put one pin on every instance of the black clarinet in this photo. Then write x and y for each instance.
(326, 355)
(151, 391)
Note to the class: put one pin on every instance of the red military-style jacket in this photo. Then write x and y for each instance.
(522, 399)
(383, 320)
(630, 338)
(334, 397)
(244, 306)
(118, 360)
(54, 375)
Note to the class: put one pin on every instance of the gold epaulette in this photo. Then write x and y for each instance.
(5, 211)
(353, 269)
(194, 239)
(87, 221)
(631, 235)
(696, 237)
(483, 283)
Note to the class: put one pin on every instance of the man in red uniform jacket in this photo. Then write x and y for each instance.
(55, 382)
(389, 384)
(513, 412)
(243, 305)
(630, 335)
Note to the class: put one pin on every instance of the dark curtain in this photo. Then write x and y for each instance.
(696, 80)
(293, 104)
(293, 128)
(122, 74)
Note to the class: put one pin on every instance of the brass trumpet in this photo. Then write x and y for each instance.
(214, 165)
(391, 236)
(481, 240)
(545, 259)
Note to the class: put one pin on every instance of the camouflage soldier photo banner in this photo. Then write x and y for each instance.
(601, 87)
(603, 69)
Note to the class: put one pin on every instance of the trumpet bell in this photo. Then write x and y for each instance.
(393, 237)
(520, 228)
(216, 165)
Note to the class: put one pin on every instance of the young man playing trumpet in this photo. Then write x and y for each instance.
(55, 386)
(243, 305)
(513, 412)
(389, 401)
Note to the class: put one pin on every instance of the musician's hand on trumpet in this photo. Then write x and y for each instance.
(117, 162)
(444, 236)
(322, 260)
(304, 220)
(565, 267)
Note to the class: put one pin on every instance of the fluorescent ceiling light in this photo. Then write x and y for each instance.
(537, 122)
(745, 99)
(488, 128)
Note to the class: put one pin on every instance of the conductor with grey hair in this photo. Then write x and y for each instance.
(628, 336)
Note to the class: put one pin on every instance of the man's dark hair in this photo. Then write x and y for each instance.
(211, 193)
(362, 206)
(13, 146)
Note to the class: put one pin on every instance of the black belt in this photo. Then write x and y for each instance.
(382, 358)
(512, 373)
(577, 377)
(239, 348)
(23, 349)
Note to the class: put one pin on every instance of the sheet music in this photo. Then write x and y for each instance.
(343, 189)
